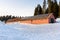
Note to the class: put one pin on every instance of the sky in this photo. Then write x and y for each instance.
(18, 7)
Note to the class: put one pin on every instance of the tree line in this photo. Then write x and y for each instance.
(53, 7)
(5, 18)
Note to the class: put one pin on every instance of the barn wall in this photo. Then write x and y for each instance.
(37, 21)
(40, 21)
(26, 21)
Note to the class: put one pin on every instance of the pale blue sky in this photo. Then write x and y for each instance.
(18, 7)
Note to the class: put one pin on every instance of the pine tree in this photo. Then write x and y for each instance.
(59, 8)
(46, 11)
(44, 6)
(55, 9)
(38, 10)
(49, 6)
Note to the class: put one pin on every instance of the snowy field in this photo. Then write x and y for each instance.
(17, 31)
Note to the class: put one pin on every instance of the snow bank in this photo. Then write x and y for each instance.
(19, 31)
(58, 20)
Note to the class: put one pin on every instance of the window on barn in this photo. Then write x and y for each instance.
(51, 20)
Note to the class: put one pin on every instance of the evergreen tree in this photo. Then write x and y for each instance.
(59, 8)
(46, 12)
(55, 9)
(2, 18)
(49, 6)
(38, 10)
(44, 6)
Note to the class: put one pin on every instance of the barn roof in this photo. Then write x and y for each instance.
(13, 20)
(41, 16)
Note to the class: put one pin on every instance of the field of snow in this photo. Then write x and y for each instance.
(19, 31)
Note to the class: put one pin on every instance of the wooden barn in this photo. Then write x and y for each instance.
(39, 19)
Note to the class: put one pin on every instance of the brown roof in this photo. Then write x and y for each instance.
(41, 16)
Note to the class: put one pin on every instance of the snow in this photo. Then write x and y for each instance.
(18, 31)
(58, 20)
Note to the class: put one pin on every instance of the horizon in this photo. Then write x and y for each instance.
(19, 7)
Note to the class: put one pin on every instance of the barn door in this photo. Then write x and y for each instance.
(52, 20)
